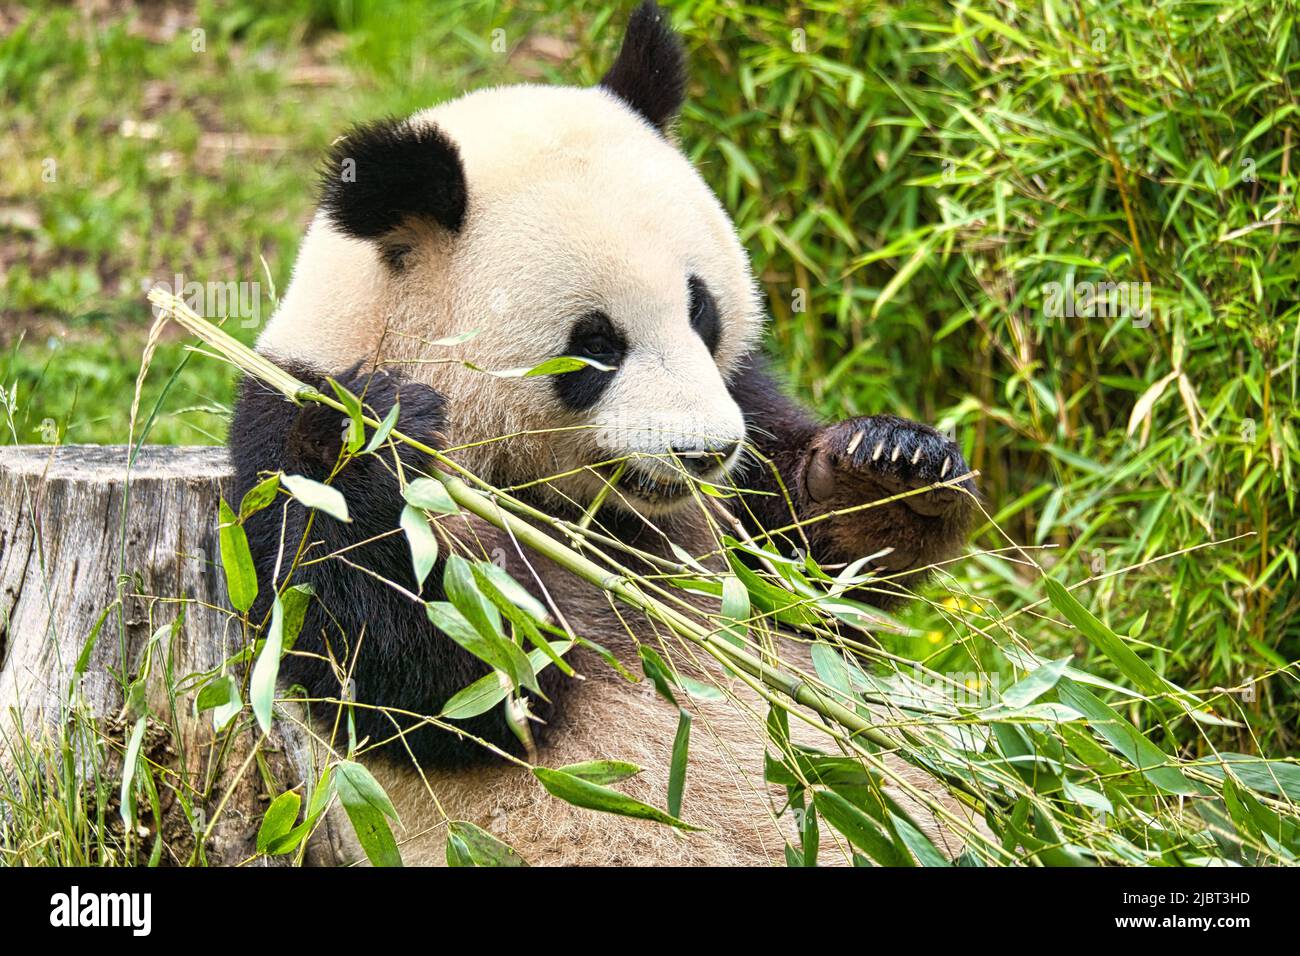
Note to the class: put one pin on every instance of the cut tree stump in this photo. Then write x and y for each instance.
(77, 537)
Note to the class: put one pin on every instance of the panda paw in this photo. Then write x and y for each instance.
(860, 460)
(318, 433)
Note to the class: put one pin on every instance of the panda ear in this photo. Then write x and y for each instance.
(381, 174)
(650, 72)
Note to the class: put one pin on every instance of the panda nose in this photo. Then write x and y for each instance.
(702, 461)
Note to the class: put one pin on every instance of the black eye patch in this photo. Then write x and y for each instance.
(594, 337)
(704, 313)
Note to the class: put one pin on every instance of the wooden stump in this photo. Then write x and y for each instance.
(78, 535)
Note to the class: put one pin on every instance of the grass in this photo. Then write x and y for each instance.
(915, 182)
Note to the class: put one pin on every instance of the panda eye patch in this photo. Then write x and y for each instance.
(704, 313)
(593, 336)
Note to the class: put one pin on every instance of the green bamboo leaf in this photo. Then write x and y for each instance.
(664, 677)
(810, 837)
(558, 365)
(489, 690)
(367, 806)
(895, 284)
(926, 853)
(1277, 778)
(266, 669)
(1036, 683)
(259, 497)
(463, 591)
(735, 610)
(1106, 640)
(422, 542)
(738, 161)
(237, 560)
(431, 495)
(278, 819)
(660, 674)
(356, 425)
(519, 609)
(859, 829)
(602, 771)
(1087, 797)
(1155, 764)
(294, 602)
(510, 589)
(563, 364)
(470, 845)
(313, 494)
(221, 696)
(384, 430)
(290, 841)
(494, 650)
(591, 796)
(677, 768)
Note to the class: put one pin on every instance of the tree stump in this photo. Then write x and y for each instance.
(79, 536)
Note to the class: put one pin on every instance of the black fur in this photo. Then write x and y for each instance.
(403, 661)
(401, 172)
(650, 72)
(704, 313)
(593, 336)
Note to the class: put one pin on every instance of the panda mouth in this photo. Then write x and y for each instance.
(639, 483)
(644, 486)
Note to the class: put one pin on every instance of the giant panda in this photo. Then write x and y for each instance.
(555, 221)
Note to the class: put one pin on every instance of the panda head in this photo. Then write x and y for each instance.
(547, 221)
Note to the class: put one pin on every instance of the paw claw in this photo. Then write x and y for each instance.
(849, 465)
(820, 477)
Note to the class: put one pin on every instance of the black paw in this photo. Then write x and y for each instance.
(866, 459)
(318, 433)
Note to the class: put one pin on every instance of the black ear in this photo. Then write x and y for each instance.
(385, 172)
(650, 72)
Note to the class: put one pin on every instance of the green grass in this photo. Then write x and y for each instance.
(908, 179)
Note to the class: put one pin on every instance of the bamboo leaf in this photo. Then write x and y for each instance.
(677, 767)
(591, 796)
(278, 819)
(367, 806)
(384, 430)
(602, 771)
(356, 425)
(237, 560)
(1106, 640)
(859, 829)
(422, 542)
(313, 494)
(266, 669)
(470, 845)
(258, 497)
(431, 495)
